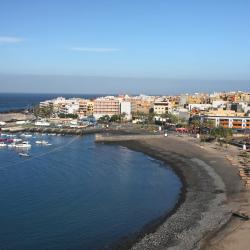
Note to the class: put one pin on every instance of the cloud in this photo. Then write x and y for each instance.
(98, 50)
(10, 39)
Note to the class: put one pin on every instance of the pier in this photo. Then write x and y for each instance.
(116, 138)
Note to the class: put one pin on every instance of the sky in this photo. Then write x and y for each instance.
(133, 46)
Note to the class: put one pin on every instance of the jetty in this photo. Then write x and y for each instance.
(117, 138)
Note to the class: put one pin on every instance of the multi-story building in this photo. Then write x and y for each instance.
(125, 108)
(162, 106)
(235, 122)
(90, 108)
(106, 106)
(141, 104)
(83, 107)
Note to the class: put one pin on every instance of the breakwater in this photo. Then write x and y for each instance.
(72, 131)
(117, 138)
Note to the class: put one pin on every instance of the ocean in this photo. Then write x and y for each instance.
(14, 102)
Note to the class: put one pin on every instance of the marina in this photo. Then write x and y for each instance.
(20, 142)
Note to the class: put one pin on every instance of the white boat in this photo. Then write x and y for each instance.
(12, 145)
(2, 144)
(27, 135)
(43, 143)
(17, 140)
(24, 154)
(24, 144)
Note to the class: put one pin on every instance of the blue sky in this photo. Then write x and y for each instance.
(198, 45)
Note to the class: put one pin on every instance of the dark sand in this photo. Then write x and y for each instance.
(210, 187)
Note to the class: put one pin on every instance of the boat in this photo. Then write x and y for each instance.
(26, 135)
(24, 155)
(2, 144)
(12, 145)
(43, 143)
(17, 140)
(24, 144)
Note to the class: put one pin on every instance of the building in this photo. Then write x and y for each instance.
(125, 108)
(106, 106)
(162, 106)
(141, 104)
(199, 106)
(234, 122)
(90, 108)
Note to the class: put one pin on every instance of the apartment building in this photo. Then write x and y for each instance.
(106, 106)
(162, 106)
(235, 122)
(125, 108)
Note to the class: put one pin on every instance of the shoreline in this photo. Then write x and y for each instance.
(209, 193)
(206, 200)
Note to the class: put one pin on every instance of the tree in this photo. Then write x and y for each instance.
(151, 116)
(122, 116)
(104, 119)
(196, 125)
(115, 118)
(45, 112)
(209, 124)
(221, 133)
(73, 116)
(170, 117)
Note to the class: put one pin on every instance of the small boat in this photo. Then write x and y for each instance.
(17, 140)
(2, 144)
(12, 145)
(43, 143)
(24, 155)
(27, 135)
(24, 144)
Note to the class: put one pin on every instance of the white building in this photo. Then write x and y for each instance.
(199, 106)
(125, 107)
(42, 123)
(219, 104)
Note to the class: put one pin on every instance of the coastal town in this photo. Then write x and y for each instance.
(125, 125)
(203, 137)
(227, 110)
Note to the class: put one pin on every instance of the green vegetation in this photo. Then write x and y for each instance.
(44, 112)
(222, 134)
(104, 119)
(73, 116)
(113, 118)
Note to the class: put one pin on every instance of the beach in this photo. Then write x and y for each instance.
(211, 191)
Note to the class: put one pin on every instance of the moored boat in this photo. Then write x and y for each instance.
(2, 144)
(43, 142)
(24, 144)
(24, 155)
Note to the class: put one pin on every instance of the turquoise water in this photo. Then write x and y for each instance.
(76, 194)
